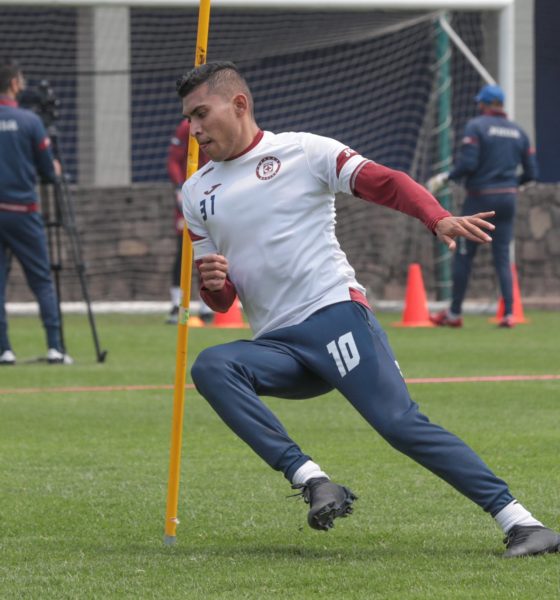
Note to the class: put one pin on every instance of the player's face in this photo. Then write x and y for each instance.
(17, 84)
(214, 122)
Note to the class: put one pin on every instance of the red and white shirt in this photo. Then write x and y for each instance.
(271, 213)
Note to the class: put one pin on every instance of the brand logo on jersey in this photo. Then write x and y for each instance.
(10, 125)
(207, 171)
(268, 167)
(504, 132)
(217, 185)
(343, 158)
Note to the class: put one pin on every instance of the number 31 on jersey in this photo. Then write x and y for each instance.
(204, 208)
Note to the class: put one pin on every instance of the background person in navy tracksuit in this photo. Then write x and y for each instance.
(24, 151)
(492, 150)
(177, 170)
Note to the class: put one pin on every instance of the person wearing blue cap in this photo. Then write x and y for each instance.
(492, 150)
(489, 94)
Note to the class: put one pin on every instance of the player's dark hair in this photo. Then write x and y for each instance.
(8, 70)
(221, 76)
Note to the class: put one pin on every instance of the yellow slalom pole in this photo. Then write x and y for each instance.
(171, 519)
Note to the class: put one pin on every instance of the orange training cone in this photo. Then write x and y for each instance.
(518, 315)
(415, 304)
(230, 319)
(195, 321)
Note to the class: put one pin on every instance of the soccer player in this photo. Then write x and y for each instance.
(261, 215)
(492, 150)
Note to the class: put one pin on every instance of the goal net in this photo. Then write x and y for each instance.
(368, 79)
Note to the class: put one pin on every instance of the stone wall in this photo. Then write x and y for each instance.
(128, 241)
(128, 244)
(538, 248)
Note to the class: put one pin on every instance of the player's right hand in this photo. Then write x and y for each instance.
(471, 227)
(213, 269)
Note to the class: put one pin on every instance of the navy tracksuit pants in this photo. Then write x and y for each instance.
(339, 347)
(504, 205)
(24, 235)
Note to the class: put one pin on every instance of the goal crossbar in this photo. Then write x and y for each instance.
(287, 4)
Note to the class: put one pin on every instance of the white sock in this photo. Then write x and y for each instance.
(307, 471)
(452, 315)
(175, 296)
(204, 308)
(515, 514)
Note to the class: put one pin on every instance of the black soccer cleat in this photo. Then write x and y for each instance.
(529, 540)
(328, 501)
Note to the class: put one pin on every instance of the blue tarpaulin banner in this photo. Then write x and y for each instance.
(547, 88)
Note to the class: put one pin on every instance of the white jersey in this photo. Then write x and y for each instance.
(271, 213)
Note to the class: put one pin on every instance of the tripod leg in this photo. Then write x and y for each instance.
(52, 220)
(64, 203)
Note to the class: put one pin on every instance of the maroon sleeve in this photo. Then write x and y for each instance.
(219, 301)
(396, 190)
(177, 154)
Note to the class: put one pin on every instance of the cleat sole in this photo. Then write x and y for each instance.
(323, 519)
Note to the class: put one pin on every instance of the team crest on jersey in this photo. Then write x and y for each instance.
(268, 167)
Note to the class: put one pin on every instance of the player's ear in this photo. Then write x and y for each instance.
(240, 104)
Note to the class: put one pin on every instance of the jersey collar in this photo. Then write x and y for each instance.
(255, 141)
(493, 112)
(7, 101)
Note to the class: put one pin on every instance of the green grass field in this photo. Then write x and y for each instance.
(83, 476)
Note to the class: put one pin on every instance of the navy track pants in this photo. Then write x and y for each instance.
(24, 235)
(339, 347)
(504, 205)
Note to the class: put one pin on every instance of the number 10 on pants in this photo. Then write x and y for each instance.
(345, 353)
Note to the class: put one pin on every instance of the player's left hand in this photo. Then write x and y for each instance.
(470, 227)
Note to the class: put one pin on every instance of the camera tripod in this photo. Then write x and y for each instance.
(57, 208)
(58, 214)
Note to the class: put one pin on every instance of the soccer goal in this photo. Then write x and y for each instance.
(386, 78)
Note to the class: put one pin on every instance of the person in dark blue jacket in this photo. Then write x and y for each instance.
(25, 152)
(493, 151)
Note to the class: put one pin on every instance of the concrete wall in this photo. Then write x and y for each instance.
(524, 58)
(103, 57)
(128, 241)
(524, 78)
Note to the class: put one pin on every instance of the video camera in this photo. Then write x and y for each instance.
(43, 101)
